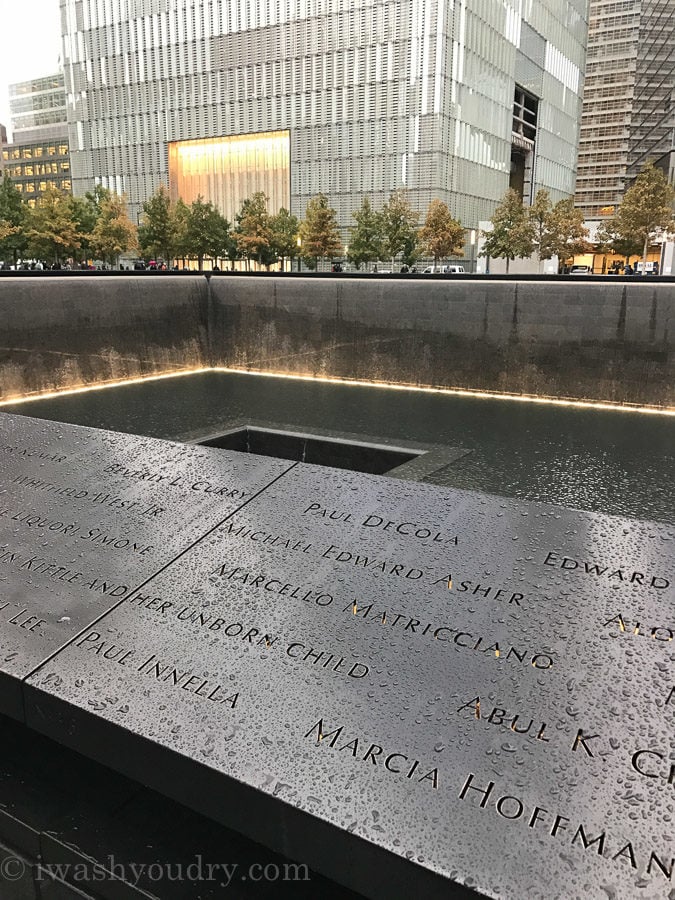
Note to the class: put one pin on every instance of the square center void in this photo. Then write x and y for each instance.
(339, 451)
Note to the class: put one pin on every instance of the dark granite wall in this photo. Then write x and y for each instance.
(61, 332)
(606, 339)
(603, 340)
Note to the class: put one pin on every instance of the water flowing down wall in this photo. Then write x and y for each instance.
(63, 332)
(606, 339)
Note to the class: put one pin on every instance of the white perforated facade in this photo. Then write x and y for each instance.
(375, 94)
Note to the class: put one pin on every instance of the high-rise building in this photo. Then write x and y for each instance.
(352, 98)
(628, 113)
(3, 145)
(39, 155)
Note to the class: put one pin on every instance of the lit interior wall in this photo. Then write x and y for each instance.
(228, 170)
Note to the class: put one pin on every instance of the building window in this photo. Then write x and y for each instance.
(524, 114)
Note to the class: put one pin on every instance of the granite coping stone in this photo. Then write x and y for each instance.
(86, 516)
(408, 687)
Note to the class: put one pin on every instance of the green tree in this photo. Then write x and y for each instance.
(441, 235)
(86, 211)
(557, 230)
(399, 225)
(6, 229)
(158, 229)
(13, 213)
(319, 232)
(540, 218)
(411, 250)
(646, 209)
(609, 240)
(253, 232)
(566, 235)
(201, 223)
(114, 233)
(220, 240)
(51, 228)
(365, 243)
(181, 218)
(285, 227)
(512, 235)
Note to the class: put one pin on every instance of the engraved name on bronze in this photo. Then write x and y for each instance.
(640, 629)
(265, 538)
(96, 536)
(563, 829)
(112, 501)
(519, 724)
(371, 563)
(28, 452)
(420, 531)
(160, 670)
(619, 575)
(653, 764)
(378, 617)
(51, 569)
(23, 618)
(200, 486)
(483, 591)
(359, 748)
(205, 618)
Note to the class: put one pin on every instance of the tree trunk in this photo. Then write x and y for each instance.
(508, 262)
(644, 255)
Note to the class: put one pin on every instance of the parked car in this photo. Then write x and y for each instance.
(443, 270)
(580, 270)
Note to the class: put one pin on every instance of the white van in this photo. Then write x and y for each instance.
(444, 270)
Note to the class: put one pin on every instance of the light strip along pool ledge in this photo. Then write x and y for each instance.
(353, 382)
(103, 385)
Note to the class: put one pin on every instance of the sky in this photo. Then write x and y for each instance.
(30, 44)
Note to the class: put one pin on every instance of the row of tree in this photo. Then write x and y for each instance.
(97, 225)
(61, 226)
(542, 229)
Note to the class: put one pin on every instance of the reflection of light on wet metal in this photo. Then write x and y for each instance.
(459, 392)
(350, 382)
(101, 386)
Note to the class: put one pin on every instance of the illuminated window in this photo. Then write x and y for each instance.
(63, 149)
(51, 150)
(228, 170)
(38, 151)
(27, 153)
(30, 188)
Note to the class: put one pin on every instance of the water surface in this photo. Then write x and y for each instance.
(616, 462)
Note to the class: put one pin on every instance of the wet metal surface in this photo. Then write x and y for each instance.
(86, 516)
(406, 685)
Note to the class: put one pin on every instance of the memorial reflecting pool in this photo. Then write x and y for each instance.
(618, 462)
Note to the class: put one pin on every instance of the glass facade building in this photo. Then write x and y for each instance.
(39, 155)
(451, 99)
(36, 165)
(629, 99)
(37, 104)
